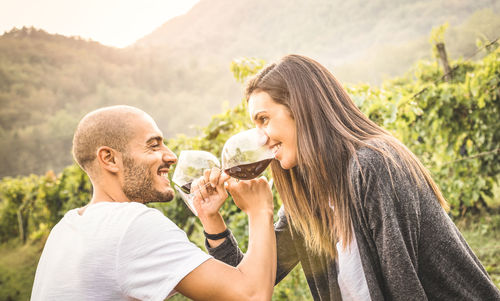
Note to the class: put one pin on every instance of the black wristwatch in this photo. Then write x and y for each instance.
(217, 236)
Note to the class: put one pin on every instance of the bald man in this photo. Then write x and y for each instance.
(116, 248)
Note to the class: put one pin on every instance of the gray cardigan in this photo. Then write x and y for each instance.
(409, 247)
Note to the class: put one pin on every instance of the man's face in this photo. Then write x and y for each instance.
(146, 163)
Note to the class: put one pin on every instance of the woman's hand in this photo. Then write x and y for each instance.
(252, 195)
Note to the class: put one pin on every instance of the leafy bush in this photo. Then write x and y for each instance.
(453, 127)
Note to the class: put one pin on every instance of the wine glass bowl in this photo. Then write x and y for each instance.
(246, 155)
(190, 166)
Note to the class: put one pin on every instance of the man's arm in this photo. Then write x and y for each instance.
(254, 277)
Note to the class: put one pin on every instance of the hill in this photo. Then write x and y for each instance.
(48, 82)
(335, 32)
(180, 72)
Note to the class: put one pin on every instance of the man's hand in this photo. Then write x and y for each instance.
(209, 193)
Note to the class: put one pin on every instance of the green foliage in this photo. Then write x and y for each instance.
(245, 67)
(47, 82)
(293, 287)
(482, 233)
(437, 34)
(34, 203)
(452, 127)
(437, 37)
(18, 264)
(19, 197)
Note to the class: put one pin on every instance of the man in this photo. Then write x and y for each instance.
(116, 248)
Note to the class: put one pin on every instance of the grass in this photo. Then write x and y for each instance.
(482, 233)
(18, 262)
(17, 269)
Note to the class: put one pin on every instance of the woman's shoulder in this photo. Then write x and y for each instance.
(374, 155)
(380, 179)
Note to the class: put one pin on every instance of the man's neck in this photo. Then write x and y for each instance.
(101, 195)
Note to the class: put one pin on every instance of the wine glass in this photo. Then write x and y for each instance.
(190, 166)
(245, 155)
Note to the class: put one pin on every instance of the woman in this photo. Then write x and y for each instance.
(361, 213)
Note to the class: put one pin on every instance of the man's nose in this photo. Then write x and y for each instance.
(169, 157)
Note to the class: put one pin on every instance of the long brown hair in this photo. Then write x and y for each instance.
(330, 129)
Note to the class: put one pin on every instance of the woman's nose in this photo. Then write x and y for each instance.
(265, 132)
(262, 135)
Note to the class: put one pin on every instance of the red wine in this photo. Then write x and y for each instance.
(248, 171)
(186, 188)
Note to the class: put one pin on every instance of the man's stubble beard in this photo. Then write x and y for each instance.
(138, 184)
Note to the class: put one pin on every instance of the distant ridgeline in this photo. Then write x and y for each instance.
(179, 73)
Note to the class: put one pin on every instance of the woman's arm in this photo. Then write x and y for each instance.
(227, 249)
(253, 277)
(386, 218)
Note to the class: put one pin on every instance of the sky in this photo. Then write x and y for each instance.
(116, 23)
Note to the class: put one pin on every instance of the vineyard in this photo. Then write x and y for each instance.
(450, 121)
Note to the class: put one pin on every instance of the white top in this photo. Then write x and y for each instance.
(350, 274)
(114, 251)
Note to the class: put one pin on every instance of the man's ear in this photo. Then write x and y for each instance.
(108, 159)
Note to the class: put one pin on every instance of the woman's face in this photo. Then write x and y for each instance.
(276, 120)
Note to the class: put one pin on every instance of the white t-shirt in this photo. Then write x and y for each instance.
(114, 251)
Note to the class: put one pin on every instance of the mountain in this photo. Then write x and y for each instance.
(48, 82)
(180, 72)
(335, 32)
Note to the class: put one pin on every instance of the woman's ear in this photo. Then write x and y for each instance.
(108, 159)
